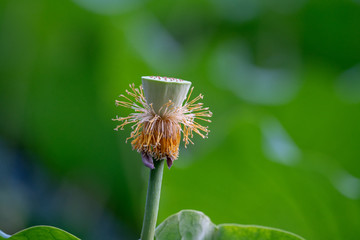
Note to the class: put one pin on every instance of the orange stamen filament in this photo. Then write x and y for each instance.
(159, 136)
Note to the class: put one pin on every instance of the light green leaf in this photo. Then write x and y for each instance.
(186, 225)
(194, 225)
(246, 232)
(42, 233)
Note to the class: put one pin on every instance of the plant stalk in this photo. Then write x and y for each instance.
(152, 201)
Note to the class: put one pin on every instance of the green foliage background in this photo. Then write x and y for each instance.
(281, 77)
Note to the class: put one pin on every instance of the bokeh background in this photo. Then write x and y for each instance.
(282, 78)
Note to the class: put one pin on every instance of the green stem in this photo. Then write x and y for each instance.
(152, 201)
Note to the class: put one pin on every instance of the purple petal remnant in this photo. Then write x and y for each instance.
(169, 161)
(147, 160)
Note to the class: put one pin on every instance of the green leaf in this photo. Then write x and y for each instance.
(245, 232)
(186, 225)
(42, 233)
(194, 225)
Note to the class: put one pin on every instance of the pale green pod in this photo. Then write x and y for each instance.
(159, 90)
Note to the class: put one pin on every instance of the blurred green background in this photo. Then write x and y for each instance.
(282, 78)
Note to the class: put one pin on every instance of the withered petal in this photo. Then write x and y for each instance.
(147, 160)
(169, 161)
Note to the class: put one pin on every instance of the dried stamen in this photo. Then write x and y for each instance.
(158, 136)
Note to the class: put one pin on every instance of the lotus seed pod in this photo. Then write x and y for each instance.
(159, 91)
